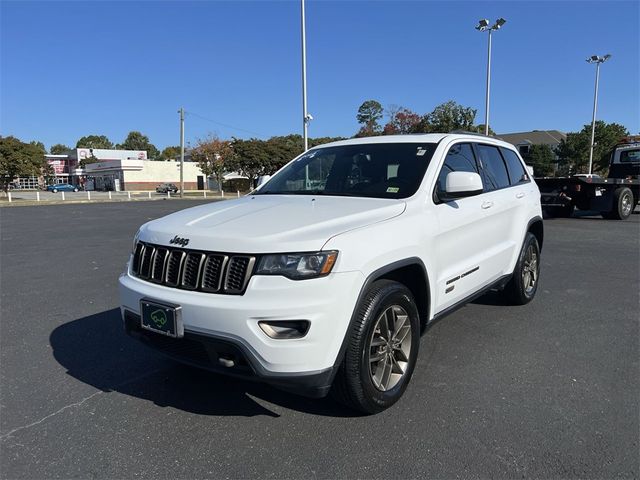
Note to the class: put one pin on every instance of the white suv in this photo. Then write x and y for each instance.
(324, 277)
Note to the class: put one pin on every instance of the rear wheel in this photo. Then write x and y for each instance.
(623, 204)
(55, 190)
(524, 282)
(382, 349)
(75, 189)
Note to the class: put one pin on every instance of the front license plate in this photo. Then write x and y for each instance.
(161, 318)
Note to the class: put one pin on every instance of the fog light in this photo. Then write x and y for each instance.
(283, 329)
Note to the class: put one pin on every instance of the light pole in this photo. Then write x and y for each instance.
(483, 26)
(306, 116)
(597, 60)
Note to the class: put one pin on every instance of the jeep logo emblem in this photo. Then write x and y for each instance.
(183, 242)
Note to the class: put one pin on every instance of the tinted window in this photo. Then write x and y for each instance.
(460, 158)
(495, 173)
(517, 173)
(383, 170)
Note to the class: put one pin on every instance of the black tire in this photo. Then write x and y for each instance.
(354, 383)
(622, 206)
(55, 190)
(75, 189)
(520, 290)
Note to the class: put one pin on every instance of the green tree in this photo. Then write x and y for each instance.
(214, 156)
(18, 158)
(369, 114)
(447, 117)
(542, 158)
(170, 153)
(94, 141)
(573, 152)
(138, 141)
(87, 160)
(59, 149)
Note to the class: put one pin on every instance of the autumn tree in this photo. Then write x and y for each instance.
(369, 114)
(401, 121)
(214, 157)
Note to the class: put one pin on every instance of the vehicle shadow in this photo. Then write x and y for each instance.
(96, 351)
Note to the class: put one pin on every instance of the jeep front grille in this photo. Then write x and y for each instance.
(193, 270)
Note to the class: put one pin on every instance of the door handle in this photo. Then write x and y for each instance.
(486, 205)
(519, 195)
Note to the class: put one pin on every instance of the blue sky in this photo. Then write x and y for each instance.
(70, 69)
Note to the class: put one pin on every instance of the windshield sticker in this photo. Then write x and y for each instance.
(393, 189)
(421, 152)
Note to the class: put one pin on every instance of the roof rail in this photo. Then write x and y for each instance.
(465, 132)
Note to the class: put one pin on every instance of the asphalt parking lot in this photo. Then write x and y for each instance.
(549, 390)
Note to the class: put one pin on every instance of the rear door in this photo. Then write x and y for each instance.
(508, 187)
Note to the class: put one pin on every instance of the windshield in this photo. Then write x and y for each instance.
(381, 170)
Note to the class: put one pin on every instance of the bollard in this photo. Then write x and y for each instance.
(129, 195)
(204, 193)
(62, 196)
(88, 195)
(221, 193)
(109, 194)
(168, 194)
(37, 196)
(9, 195)
(238, 193)
(149, 194)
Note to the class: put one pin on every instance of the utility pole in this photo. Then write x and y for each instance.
(181, 111)
(598, 61)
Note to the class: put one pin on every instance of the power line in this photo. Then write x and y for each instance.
(223, 124)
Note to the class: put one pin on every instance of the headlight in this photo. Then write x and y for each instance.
(298, 266)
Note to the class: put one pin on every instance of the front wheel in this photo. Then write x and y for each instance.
(382, 349)
(524, 282)
(75, 189)
(55, 190)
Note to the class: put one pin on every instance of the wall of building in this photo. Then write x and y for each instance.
(154, 173)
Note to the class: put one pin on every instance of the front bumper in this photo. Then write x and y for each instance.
(218, 325)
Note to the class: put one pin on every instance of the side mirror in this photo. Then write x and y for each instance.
(462, 184)
(263, 179)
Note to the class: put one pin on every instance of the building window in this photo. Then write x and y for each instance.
(523, 149)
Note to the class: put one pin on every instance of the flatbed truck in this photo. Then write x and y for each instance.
(615, 197)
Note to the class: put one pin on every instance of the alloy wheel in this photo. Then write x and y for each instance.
(530, 270)
(390, 348)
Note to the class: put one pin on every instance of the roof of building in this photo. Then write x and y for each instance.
(536, 137)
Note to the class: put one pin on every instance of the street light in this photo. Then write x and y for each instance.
(597, 60)
(483, 26)
(306, 116)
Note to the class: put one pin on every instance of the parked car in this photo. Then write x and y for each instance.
(323, 279)
(62, 187)
(167, 187)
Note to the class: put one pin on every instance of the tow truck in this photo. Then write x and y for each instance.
(615, 197)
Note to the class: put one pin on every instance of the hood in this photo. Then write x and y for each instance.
(269, 223)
